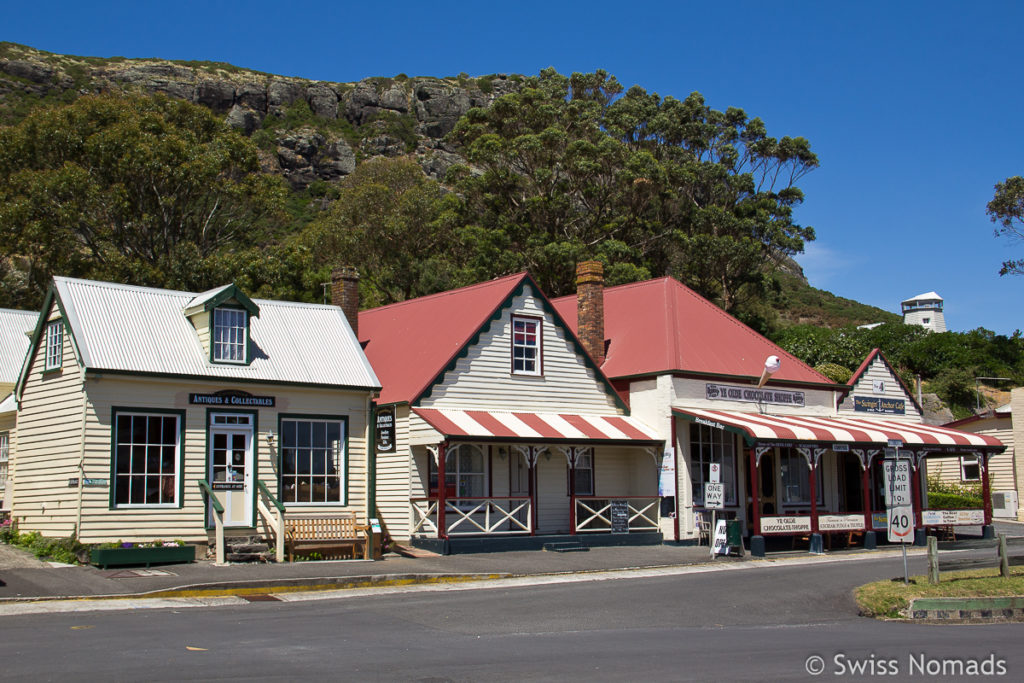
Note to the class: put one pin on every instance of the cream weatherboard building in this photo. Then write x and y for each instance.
(135, 405)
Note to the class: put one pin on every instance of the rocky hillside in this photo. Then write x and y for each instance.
(308, 130)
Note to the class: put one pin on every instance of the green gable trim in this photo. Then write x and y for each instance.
(227, 293)
(37, 335)
(496, 315)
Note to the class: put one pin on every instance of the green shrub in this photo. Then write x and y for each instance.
(64, 550)
(948, 501)
(835, 372)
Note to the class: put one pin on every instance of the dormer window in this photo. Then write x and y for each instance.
(526, 346)
(230, 335)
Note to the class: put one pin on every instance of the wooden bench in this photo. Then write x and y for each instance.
(333, 536)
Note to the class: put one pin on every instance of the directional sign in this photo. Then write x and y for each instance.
(714, 496)
(901, 524)
(897, 482)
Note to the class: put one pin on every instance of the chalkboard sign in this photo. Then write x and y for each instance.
(620, 516)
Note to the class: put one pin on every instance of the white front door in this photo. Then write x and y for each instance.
(231, 469)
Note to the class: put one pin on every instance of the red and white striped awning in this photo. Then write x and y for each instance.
(547, 427)
(851, 430)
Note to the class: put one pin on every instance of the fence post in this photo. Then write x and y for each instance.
(1004, 561)
(933, 560)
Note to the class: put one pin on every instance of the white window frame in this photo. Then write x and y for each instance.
(584, 463)
(710, 445)
(455, 475)
(145, 444)
(54, 349)
(969, 461)
(336, 450)
(230, 335)
(521, 350)
(5, 454)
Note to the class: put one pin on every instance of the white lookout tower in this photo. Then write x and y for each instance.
(925, 310)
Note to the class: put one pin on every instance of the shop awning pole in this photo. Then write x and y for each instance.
(986, 489)
(866, 486)
(755, 491)
(814, 495)
(442, 487)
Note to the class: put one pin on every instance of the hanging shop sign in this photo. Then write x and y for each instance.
(952, 517)
(385, 438)
(785, 525)
(840, 522)
(232, 398)
(877, 404)
(727, 392)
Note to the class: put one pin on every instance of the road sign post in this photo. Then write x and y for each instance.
(899, 501)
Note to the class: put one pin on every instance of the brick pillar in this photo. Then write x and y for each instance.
(345, 294)
(590, 308)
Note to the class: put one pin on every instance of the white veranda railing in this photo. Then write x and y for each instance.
(489, 516)
(594, 514)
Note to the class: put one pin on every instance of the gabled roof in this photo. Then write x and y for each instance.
(15, 327)
(139, 330)
(877, 353)
(662, 326)
(210, 299)
(1002, 411)
(927, 296)
(411, 344)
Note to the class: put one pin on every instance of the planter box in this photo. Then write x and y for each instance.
(118, 557)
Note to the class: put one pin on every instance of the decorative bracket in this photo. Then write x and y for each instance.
(529, 452)
(758, 452)
(434, 450)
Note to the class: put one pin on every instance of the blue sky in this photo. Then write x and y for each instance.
(912, 107)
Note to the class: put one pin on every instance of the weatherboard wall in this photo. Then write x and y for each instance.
(483, 379)
(866, 387)
(1001, 466)
(51, 446)
(395, 473)
(8, 423)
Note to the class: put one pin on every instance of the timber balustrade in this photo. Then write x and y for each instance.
(489, 516)
(272, 516)
(594, 513)
(218, 518)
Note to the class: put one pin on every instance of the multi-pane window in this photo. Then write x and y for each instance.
(147, 450)
(709, 445)
(312, 461)
(464, 472)
(5, 451)
(54, 345)
(229, 335)
(970, 468)
(526, 346)
(584, 471)
(796, 479)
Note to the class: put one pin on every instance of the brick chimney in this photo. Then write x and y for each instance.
(345, 294)
(590, 307)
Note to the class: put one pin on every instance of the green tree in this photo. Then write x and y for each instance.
(395, 225)
(1007, 211)
(146, 190)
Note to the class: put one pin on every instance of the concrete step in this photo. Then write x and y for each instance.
(248, 557)
(246, 548)
(567, 547)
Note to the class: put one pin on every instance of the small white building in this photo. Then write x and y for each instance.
(924, 310)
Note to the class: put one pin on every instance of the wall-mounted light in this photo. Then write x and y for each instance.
(270, 437)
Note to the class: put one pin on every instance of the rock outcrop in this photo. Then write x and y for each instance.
(429, 107)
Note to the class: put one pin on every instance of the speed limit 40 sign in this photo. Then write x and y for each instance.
(901, 524)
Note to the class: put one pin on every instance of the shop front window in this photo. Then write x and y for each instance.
(312, 461)
(147, 459)
(796, 479)
(464, 472)
(584, 481)
(709, 445)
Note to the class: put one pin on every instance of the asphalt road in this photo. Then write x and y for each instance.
(749, 624)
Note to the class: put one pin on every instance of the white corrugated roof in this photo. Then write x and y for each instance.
(14, 341)
(8, 405)
(124, 328)
(927, 296)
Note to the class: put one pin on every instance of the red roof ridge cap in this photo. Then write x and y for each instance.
(447, 292)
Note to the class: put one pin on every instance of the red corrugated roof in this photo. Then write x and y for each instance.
(663, 326)
(410, 342)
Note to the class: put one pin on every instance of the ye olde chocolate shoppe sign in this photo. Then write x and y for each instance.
(233, 399)
(726, 392)
(385, 430)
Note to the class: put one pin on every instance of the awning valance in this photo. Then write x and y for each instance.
(546, 427)
(849, 430)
